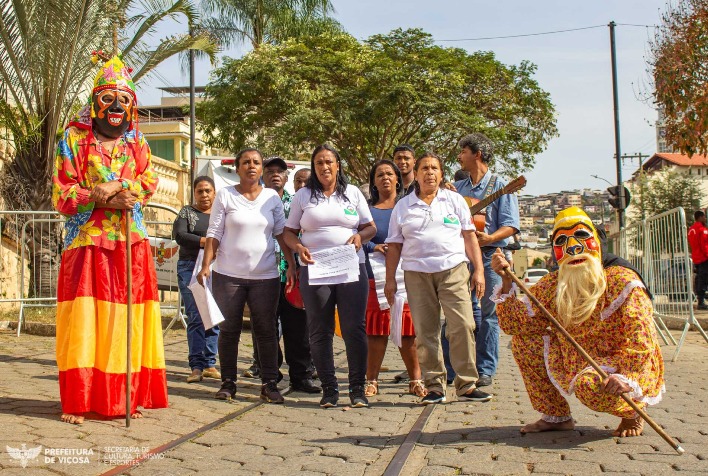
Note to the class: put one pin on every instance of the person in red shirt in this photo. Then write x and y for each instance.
(698, 240)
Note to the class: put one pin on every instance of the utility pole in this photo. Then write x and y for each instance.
(618, 151)
(192, 123)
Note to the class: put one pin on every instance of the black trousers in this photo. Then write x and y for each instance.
(296, 340)
(701, 281)
(350, 300)
(231, 294)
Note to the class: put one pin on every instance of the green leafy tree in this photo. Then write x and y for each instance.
(46, 74)
(663, 191)
(538, 262)
(366, 97)
(679, 69)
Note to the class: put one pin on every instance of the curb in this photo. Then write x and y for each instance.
(50, 330)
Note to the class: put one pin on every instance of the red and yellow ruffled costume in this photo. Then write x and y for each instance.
(92, 294)
(619, 335)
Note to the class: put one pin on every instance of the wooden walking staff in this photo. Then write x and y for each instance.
(129, 314)
(117, 23)
(592, 362)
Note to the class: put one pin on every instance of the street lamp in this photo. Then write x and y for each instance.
(600, 178)
(602, 204)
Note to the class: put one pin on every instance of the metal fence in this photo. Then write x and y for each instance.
(30, 253)
(658, 248)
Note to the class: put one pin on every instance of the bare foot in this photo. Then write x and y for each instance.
(136, 415)
(543, 425)
(629, 427)
(73, 419)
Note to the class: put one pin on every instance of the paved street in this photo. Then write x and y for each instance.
(299, 437)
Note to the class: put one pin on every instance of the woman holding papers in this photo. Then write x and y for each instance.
(432, 231)
(328, 222)
(189, 231)
(244, 219)
(385, 186)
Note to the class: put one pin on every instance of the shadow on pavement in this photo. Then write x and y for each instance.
(39, 408)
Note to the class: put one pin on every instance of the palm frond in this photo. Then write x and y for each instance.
(172, 46)
(154, 12)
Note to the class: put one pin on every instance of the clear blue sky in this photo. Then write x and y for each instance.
(573, 67)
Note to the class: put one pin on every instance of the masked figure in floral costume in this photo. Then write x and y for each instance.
(103, 168)
(606, 310)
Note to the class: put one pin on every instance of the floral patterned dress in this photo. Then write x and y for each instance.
(92, 293)
(620, 336)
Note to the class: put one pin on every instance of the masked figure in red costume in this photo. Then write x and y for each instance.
(607, 310)
(103, 168)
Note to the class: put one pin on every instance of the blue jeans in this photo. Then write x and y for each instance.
(488, 328)
(202, 343)
(477, 313)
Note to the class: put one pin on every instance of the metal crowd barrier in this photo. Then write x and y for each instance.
(658, 248)
(32, 240)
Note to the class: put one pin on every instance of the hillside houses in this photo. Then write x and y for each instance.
(537, 213)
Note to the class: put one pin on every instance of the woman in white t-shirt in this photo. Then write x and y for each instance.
(329, 213)
(432, 231)
(244, 219)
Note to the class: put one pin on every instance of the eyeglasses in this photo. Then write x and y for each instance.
(579, 234)
(427, 219)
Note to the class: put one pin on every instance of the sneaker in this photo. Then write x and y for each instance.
(484, 381)
(270, 393)
(433, 397)
(356, 396)
(195, 376)
(211, 372)
(330, 397)
(227, 390)
(253, 371)
(476, 395)
(306, 385)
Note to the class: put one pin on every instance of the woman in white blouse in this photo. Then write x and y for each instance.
(432, 231)
(325, 214)
(244, 219)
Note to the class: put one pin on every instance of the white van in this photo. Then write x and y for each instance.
(223, 171)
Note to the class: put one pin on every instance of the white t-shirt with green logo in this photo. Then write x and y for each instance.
(431, 234)
(329, 222)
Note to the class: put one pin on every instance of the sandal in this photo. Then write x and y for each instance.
(416, 387)
(371, 388)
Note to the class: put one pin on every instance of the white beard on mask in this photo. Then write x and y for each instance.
(580, 287)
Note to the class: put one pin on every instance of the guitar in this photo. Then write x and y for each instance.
(476, 206)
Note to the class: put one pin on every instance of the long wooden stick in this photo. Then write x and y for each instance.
(129, 314)
(592, 362)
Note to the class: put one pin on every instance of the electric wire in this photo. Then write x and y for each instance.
(552, 32)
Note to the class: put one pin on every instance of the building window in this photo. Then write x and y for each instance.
(163, 148)
(182, 152)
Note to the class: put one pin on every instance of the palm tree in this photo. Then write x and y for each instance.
(45, 74)
(261, 22)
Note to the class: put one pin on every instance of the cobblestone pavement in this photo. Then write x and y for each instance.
(299, 437)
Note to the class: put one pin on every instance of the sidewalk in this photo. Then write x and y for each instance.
(299, 437)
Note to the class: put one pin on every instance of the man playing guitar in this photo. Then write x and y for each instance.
(502, 222)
